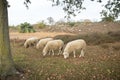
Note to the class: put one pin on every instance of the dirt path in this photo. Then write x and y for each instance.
(17, 35)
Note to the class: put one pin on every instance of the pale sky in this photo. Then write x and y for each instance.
(42, 9)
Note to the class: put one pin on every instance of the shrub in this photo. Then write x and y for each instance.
(71, 24)
(105, 46)
(91, 39)
(116, 47)
(26, 28)
(108, 19)
(41, 25)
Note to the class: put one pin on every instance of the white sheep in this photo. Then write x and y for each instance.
(53, 45)
(31, 42)
(73, 46)
(42, 42)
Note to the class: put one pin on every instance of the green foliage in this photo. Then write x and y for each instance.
(26, 28)
(41, 25)
(71, 24)
(26, 3)
(72, 7)
(111, 10)
(108, 19)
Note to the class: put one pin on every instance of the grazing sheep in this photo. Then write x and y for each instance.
(72, 46)
(31, 42)
(53, 45)
(41, 44)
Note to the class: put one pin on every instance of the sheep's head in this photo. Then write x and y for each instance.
(26, 46)
(66, 55)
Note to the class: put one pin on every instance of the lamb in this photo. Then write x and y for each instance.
(41, 44)
(53, 45)
(31, 42)
(73, 46)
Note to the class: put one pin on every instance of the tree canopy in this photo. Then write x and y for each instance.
(111, 10)
(73, 7)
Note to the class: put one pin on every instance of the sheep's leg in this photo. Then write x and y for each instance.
(49, 52)
(74, 54)
(59, 51)
(82, 53)
(44, 53)
(53, 52)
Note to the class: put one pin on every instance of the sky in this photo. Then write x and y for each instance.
(42, 9)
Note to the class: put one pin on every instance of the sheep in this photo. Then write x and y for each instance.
(31, 42)
(72, 46)
(41, 44)
(53, 45)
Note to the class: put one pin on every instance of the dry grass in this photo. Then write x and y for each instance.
(93, 38)
(101, 62)
(17, 35)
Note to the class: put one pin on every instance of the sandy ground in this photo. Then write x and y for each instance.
(17, 35)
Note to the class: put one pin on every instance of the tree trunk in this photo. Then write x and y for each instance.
(6, 62)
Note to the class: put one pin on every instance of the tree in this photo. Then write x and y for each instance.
(72, 7)
(50, 20)
(107, 17)
(111, 11)
(7, 66)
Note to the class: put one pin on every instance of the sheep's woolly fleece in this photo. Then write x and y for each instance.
(53, 45)
(72, 46)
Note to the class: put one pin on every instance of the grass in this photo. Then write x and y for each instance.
(56, 68)
(98, 64)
